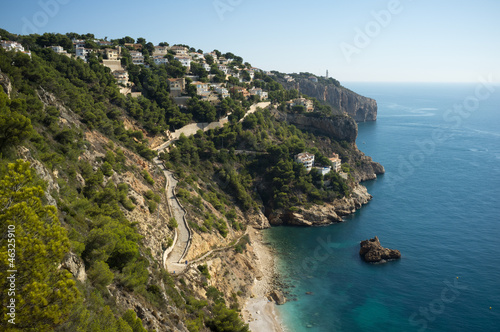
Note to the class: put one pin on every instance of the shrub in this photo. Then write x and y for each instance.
(152, 206)
(107, 169)
(148, 177)
(100, 274)
(172, 223)
(226, 320)
(204, 270)
(242, 244)
(127, 204)
(149, 194)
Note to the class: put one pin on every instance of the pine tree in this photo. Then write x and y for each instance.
(44, 293)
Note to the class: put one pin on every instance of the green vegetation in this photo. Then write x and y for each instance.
(241, 246)
(33, 244)
(172, 223)
(148, 177)
(68, 117)
(272, 145)
(204, 270)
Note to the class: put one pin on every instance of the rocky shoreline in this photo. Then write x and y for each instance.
(259, 310)
(322, 215)
(268, 290)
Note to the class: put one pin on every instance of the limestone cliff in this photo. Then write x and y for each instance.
(360, 108)
(326, 214)
(342, 128)
(5, 83)
(339, 128)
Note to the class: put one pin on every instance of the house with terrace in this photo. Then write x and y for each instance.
(177, 86)
(306, 159)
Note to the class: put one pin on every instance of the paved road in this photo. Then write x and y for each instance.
(183, 232)
(174, 261)
(254, 107)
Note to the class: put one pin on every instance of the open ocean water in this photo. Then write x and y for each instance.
(438, 203)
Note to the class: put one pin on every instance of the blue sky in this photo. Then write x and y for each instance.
(363, 40)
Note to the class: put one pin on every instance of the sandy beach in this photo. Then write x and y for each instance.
(259, 312)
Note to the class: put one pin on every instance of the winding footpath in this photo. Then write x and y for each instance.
(173, 257)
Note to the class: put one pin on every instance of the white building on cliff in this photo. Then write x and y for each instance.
(306, 159)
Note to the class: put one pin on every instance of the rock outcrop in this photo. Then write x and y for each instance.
(5, 83)
(322, 215)
(373, 252)
(43, 173)
(75, 266)
(360, 108)
(278, 297)
(366, 168)
(340, 127)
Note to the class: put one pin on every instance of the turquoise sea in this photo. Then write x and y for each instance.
(438, 203)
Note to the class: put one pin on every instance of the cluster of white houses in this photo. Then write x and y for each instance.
(206, 91)
(14, 46)
(307, 159)
(211, 91)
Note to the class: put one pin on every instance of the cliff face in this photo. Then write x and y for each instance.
(326, 214)
(5, 83)
(360, 108)
(341, 128)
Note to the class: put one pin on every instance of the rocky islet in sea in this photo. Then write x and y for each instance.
(372, 251)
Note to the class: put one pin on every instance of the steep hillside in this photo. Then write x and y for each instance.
(360, 108)
(86, 194)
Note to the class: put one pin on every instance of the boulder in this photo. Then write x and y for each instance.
(75, 266)
(5, 83)
(278, 297)
(373, 252)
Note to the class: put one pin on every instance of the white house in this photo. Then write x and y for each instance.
(103, 42)
(179, 50)
(78, 43)
(197, 56)
(324, 170)
(82, 53)
(137, 57)
(206, 66)
(58, 49)
(258, 92)
(201, 88)
(160, 60)
(337, 162)
(121, 76)
(185, 60)
(112, 54)
(161, 50)
(222, 91)
(224, 69)
(251, 72)
(177, 86)
(307, 103)
(306, 159)
(12, 45)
